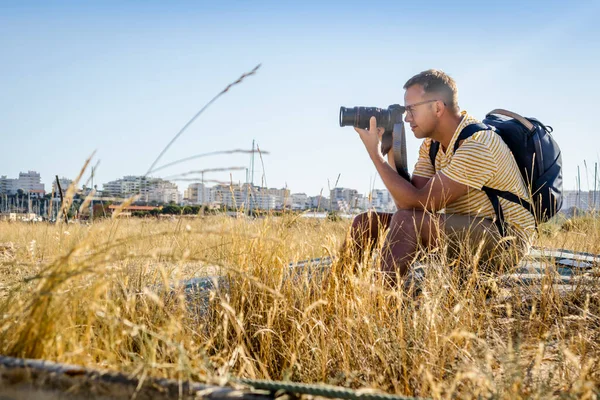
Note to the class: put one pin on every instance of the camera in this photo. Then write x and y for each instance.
(359, 116)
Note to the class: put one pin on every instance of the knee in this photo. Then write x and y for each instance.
(417, 224)
(403, 217)
(361, 221)
(403, 222)
(366, 225)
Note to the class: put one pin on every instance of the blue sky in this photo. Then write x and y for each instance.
(123, 77)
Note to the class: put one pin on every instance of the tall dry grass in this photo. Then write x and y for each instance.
(95, 295)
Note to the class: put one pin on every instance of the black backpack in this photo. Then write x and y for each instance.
(537, 155)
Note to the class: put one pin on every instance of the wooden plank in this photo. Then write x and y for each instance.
(29, 379)
(563, 267)
(562, 254)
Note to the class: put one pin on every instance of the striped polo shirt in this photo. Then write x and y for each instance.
(481, 160)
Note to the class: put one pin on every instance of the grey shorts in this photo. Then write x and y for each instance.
(467, 236)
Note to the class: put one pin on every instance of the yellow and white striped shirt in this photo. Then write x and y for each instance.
(481, 160)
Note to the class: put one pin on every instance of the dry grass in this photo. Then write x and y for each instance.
(92, 295)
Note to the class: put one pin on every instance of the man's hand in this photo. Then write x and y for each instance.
(372, 138)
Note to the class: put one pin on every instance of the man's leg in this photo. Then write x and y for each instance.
(408, 229)
(411, 228)
(365, 232)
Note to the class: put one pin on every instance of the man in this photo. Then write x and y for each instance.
(453, 185)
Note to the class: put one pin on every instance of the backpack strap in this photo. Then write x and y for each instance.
(497, 209)
(510, 197)
(433, 150)
(466, 133)
(469, 131)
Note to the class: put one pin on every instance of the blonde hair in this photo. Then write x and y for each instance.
(436, 81)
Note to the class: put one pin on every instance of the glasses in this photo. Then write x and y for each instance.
(411, 108)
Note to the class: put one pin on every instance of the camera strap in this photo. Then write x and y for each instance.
(399, 149)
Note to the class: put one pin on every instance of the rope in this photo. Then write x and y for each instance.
(329, 391)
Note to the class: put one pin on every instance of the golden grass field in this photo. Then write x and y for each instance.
(92, 295)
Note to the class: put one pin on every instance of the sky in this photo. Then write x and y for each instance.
(121, 78)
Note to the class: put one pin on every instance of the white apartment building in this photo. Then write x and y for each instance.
(318, 202)
(264, 195)
(163, 192)
(343, 199)
(6, 185)
(231, 196)
(153, 190)
(381, 200)
(264, 201)
(64, 185)
(198, 193)
(29, 182)
(299, 201)
(127, 186)
(360, 203)
(271, 198)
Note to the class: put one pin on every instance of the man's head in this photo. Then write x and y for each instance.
(431, 98)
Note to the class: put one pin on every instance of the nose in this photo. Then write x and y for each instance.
(408, 116)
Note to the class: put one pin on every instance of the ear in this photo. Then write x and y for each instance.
(440, 108)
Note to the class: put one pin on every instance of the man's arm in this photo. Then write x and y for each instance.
(391, 161)
(419, 181)
(433, 195)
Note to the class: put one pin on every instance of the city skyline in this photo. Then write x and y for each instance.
(16, 196)
(159, 191)
(100, 185)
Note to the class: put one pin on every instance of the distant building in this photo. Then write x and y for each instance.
(127, 186)
(163, 192)
(343, 199)
(359, 203)
(281, 195)
(64, 185)
(6, 185)
(29, 182)
(198, 193)
(149, 190)
(299, 201)
(237, 196)
(319, 203)
(229, 195)
(381, 200)
(266, 198)
(363, 203)
(265, 201)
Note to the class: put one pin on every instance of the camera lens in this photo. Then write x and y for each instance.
(347, 116)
